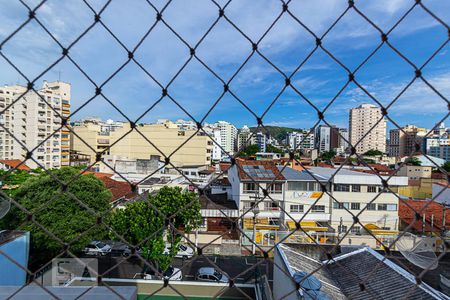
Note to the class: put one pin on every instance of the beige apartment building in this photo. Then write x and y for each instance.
(402, 142)
(166, 138)
(33, 122)
(361, 121)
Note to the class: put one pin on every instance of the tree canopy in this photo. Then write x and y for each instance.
(272, 149)
(152, 222)
(57, 211)
(414, 161)
(328, 155)
(250, 150)
(446, 166)
(373, 152)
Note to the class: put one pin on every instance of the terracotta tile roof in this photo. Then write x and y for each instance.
(13, 163)
(407, 215)
(443, 183)
(119, 189)
(268, 168)
(99, 174)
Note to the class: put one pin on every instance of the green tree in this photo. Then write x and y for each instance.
(414, 161)
(446, 166)
(13, 180)
(328, 155)
(158, 220)
(272, 149)
(250, 150)
(373, 152)
(58, 212)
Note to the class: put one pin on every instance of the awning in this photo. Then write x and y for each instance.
(374, 229)
(307, 226)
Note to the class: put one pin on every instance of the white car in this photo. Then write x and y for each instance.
(171, 274)
(183, 251)
(211, 275)
(97, 248)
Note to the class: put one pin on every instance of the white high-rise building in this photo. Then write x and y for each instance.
(217, 151)
(244, 138)
(361, 121)
(33, 122)
(301, 140)
(228, 134)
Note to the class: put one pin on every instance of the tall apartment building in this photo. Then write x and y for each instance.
(228, 135)
(361, 121)
(327, 138)
(31, 120)
(260, 139)
(403, 142)
(438, 144)
(342, 141)
(166, 138)
(244, 138)
(303, 140)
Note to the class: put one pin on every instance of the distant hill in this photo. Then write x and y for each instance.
(275, 131)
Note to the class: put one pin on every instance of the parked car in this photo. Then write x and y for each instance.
(127, 251)
(171, 273)
(183, 251)
(97, 248)
(211, 275)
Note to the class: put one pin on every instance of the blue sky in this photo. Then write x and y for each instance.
(225, 49)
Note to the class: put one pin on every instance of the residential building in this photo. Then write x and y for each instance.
(303, 141)
(217, 150)
(300, 194)
(367, 128)
(248, 178)
(415, 172)
(152, 139)
(343, 139)
(228, 135)
(244, 138)
(15, 247)
(438, 145)
(406, 141)
(355, 191)
(341, 277)
(34, 119)
(435, 217)
(260, 139)
(327, 138)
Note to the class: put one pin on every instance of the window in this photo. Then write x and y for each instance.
(371, 189)
(275, 188)
(303, 186)
(248, 205)
(356, 188)
(250, 187)
(371, 206)
(341, 205)
(318, 208)
(342, 187)
(270, 205)
(356, 230)
(342, 228)
(391, 207)
(296, 208)
(355, 206)
(382, 206)
(274, 221)
(181, 133)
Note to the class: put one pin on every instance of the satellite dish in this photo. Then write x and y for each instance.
(418, 251)
(5, 206)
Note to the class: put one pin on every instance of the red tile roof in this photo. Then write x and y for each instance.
(99, 174)
(224, 167)
(119, 189)
(266, 165)
(407, 215)
(13, 163)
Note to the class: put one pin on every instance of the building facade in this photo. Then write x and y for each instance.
(404, 141)
(228, 135)
(35, 119)
(151, 140)
(367, 128)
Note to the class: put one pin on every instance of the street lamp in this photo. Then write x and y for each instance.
(255, 213)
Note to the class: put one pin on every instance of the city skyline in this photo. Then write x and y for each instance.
(258, 83)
